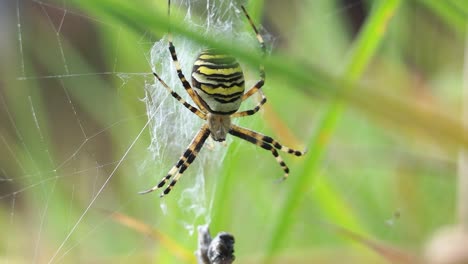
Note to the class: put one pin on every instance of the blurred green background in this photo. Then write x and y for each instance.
(373, 90)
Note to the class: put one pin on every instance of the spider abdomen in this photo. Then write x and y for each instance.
(218, 79)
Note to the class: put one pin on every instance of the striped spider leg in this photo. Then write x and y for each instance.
(218, 90)
(266, 143)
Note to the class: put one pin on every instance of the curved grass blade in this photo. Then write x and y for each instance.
(363, 50)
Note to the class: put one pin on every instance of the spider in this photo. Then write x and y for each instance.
(218, 90)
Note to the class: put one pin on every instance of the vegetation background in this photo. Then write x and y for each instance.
(373, 89)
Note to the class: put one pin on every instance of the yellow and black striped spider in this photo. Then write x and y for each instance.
(218, 90)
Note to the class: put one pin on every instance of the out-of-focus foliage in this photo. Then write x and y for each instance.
(371, 88)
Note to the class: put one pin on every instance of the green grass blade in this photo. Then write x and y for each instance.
(369, 38)
(448, 132)
(363, 50)
(454, 15)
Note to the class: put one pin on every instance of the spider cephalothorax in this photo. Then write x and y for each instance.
(218, 90)
(219, 126)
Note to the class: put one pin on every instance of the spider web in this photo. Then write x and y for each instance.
(44, 155)
(41, 168)
(179, 126)
(170, 130)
